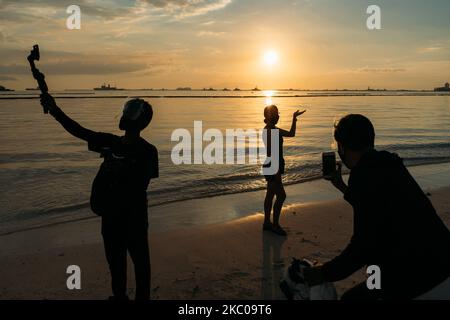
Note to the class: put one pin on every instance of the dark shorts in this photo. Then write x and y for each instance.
(280, 171)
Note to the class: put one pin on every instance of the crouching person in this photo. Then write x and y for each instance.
(395, 226)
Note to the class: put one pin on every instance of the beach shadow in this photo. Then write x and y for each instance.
(273, 266)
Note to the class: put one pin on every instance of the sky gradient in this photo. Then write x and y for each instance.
(221, 43)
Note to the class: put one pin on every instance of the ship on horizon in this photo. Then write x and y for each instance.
(446, 87)
(107, 87)
(2, 88)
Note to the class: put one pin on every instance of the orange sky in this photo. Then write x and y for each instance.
(221, 43)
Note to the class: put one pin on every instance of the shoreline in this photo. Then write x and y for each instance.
(230, 260)
(429, 176)
(222, 96)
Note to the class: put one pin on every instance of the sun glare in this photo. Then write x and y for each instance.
(268, 94)
(270, 57)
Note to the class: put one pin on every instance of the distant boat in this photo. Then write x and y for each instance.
(2, 88)
(226, 89)
(369, 89)
(107, 87)
(255, 89)
(237, 89)
(184, 89)
(32, 89)
(446, 87)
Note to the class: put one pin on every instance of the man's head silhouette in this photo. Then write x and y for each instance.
(137, 114)
(354, 134)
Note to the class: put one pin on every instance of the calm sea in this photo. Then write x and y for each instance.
(45, 172)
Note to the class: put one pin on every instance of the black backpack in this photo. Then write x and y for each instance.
(109, 184)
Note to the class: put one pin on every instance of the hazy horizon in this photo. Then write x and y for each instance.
(209, 88)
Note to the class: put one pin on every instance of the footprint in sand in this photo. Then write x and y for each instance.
(195, 290)
(237, 274)
(309, 241)
(278, 264)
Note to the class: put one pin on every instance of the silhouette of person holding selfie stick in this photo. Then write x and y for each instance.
(119, 191)
(274, 182)
(395, 226)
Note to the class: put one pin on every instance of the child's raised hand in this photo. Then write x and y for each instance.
(298, 113)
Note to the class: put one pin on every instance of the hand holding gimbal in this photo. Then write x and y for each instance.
(47, 102)
(39, 76)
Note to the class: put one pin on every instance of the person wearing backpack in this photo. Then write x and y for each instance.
(119, 191)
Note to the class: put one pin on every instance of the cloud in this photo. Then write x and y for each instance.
(106, 12)
(42, 13)
(208, 23)
(379, 70)
(76, 68)
(16, 55)
(27, 10)
(7, 78)
(210, 33)
(435, 48)
(429, 49)
(15, 16)
(68, 63)
(187, 8)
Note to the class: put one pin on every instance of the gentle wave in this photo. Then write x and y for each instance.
(223, 185)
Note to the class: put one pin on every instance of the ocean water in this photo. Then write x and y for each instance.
(45, 172)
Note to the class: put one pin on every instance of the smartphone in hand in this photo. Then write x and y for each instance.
(328, 165)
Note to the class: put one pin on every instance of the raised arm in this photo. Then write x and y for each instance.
(291, 133)
(71, 126)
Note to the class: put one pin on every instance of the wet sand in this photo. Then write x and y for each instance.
(233, 260)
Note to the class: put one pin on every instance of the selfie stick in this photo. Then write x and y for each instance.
(39, 76)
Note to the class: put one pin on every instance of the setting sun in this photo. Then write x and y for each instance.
(270, 57)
